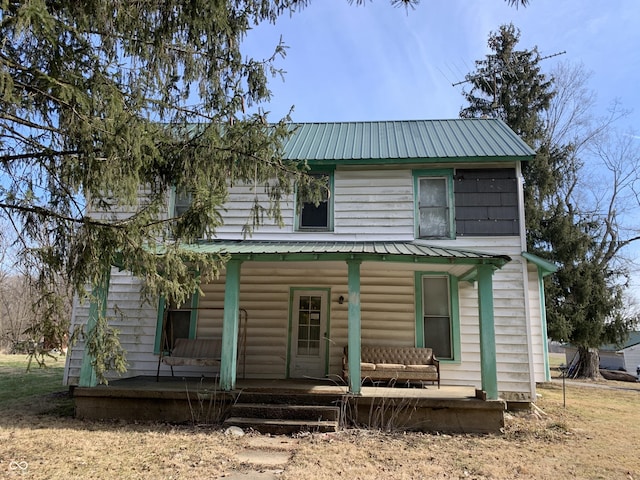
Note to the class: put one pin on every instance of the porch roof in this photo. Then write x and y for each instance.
(263, 250)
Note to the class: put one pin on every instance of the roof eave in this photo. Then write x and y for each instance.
(417, 160)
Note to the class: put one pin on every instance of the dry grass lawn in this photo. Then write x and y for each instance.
(595, 436)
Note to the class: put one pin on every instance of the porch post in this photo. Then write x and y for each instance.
(488, 367)
(543, 324)
(97, 308)
(229, 353)
(353, 336)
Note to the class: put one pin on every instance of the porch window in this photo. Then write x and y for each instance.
(175, 322)
(316, 214)
(434, 204)
(437, 322)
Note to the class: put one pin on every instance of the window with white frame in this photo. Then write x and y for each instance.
(181, 202)
(434, 206)
(437, 316)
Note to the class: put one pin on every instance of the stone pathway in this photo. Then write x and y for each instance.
(266, 455)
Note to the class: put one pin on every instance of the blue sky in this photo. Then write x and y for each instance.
(376, 62)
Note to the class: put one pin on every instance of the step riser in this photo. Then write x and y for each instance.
(285, 412)
(275, 427)
(289, 399)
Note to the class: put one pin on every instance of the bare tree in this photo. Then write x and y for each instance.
(590, 226)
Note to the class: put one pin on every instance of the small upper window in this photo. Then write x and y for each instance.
(182, 202)
(316, 214)
(435, 213)
(186, 223)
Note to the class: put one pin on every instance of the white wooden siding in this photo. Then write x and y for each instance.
(135, 320)
(236, 214)
(377, 203)
(374, 204)
(538, 336)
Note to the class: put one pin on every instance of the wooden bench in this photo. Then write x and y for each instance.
(196, 352)
(395, 364)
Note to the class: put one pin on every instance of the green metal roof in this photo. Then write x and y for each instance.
(377, 251)
(436, 140)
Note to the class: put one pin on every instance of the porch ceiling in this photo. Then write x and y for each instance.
(255, 250)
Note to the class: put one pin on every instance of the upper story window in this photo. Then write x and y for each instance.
(185, 222)
(181, 202)
(434, 204)
(316, 214)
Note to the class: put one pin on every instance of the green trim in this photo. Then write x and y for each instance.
(417, 287)
(543, 265)
(229, 353)
(455, 321)
(488, 362)
(193, 320)
(172, 202)
(318, 163)
(454, 311)
(287, 372)
(544, 268)
(447, 174)
(97, 308)
(354, 337)
(330, 172)
(327, 352)
(369, 257)
(161, 307)
(543, 325)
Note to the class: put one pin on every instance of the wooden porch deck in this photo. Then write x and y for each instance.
(199, 400)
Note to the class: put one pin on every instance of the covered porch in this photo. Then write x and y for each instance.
(448, 407)
(287, 406)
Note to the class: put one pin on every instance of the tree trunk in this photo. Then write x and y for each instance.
(588, 365)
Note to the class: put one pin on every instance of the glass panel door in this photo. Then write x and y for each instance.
(309, 332)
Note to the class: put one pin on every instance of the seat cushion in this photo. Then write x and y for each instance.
(422, 368)
(369, 367)
(389, 366)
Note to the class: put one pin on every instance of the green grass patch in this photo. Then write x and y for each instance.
(19, 385)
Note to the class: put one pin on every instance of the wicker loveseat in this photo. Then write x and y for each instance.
(395, 364)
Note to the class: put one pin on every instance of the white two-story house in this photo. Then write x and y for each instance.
(420, 241)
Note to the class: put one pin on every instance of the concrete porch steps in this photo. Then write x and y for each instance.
(284, 418)
(282, 427)
(284, 412)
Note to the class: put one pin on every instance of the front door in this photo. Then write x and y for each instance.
(309, 311)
